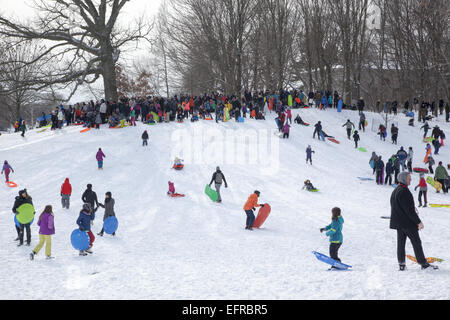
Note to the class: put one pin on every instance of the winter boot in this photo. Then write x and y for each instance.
(100, 234)
(16, 239)
(427, 265)
(425, 205)
(88, 250)
(20, 244)
(402, 267)
(82, 253)
(50, 258)
(32, 255)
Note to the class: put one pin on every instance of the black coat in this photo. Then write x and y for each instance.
(20, 201)
(90, 197)
(403, 211)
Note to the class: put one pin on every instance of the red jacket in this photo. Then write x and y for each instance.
(66, 188)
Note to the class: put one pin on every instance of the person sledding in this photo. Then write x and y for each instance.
(178, 164)
(300, 121)
(249, 207)
(84, 221)
(334, 231)
(218, 177)
(109, 210)
(309, 186)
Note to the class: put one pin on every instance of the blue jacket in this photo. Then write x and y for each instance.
(335, 230)
(84, 221)
(309, 152)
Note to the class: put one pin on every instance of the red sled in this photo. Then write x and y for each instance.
(262, 216)
(420, 170)
(334, 140)
(448, 166)
(178, 167)
(176, 195)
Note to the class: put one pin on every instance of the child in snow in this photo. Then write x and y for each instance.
(308, 186)
(100, 155)
(430, 163)
(66, 192)
(334, 231)
(145, 138)
(46, 225)
(109, 210)
(356, 138)
(309, 153)
(84, 221)
(177, 162)
(171, 188)
(423, 190)
(7, 169)
(286, 130)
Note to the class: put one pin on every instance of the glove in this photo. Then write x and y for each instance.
(415, 189)
(322, 230)
(262, 206)
(253, 209)
(81, 229)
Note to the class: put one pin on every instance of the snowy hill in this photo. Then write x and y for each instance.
(192, 248)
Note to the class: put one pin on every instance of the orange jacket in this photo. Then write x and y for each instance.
(251, 202)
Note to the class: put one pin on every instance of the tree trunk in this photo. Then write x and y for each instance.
(109, 75)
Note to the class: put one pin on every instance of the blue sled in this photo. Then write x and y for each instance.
(331, 262)
(366, 179)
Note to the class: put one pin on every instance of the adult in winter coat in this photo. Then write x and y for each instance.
(109, 210)
(90, 197)
(87, 215)
(309, 153)
(349, 126)
(334, 231)
(423, 189)
(218, 178)
(356, 138)
(249, 207)
(396, 163)
(372, 161)
(394, 133)
(100, 155)
(405, 220)
(318, 129)
(379, 168)
(145, 138)
(362, 122)
(7, 170)
(46, 225)
(66, 192)
(23, 198)
(441, 176)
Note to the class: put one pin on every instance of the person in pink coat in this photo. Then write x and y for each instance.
(7, 169)
(100, 155)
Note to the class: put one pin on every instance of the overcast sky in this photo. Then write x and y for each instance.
(22, 9)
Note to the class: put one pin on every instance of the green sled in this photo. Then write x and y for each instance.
(25, 213)
(212, 194)
(362, 149)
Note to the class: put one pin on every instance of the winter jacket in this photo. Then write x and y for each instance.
(218, 177)
(430, 161)
(286, 128)
(402, 154)
(334, 230)
(403, 211)
(90, 197)
(20, 201)
(100, 155)
(441, 173)
(109, 208)
(145, 136)
(389, 168)
(7, 168)
(379, 165)
(309, 152)
(252, 202)
(66, 188)
(410, 156)
(422, 184)
(349, 125)
(84, 220)
(46, 224)
(356, 137)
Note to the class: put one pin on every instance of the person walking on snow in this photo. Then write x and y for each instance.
(349, 125)
(425, 128)
(249, 207)
(389, 171)
(379, 168)
(402, 155)
(356, 138)
(286, 130)
(430, 161)
(334, 231)
(109, 210)
(423, 190)
(362, 122)
(441, 176)
(318, 129)
(90, 197)
(100, 155)
(145, 138)
(66, 192)
(409, 159)
(84, 221)
(372, 161)
(46, 225)
(309, 153)
(7, 170)
(394, 133)
(405, 220)
(217, 178)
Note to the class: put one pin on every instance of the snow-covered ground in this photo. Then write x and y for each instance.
(192, 248)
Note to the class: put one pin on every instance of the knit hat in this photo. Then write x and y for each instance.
(87, 207)
(109, 194)
(402, 177)
(257, 192)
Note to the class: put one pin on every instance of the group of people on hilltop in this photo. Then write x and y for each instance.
(424, 108)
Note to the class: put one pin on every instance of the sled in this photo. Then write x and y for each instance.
(178, 167)
(366, 179)
(212, 194)
(25, 213)
(334, 140)
(43, 130)
(11, 184)
(440, 205)
(429, 260)
(322, 136)
(263, 213)
(331, 262)
(176, 195)
(241, 120)
(362, 149)
(290, 101)
(305, 124)
(372, 164)
(435, 184)
(313, 190)
(85, 130)
(420, 170)
(428, 140)
(426, 156)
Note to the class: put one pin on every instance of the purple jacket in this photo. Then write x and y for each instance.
(46, 224)
(100, 155)
(286, 128)
(6, 168)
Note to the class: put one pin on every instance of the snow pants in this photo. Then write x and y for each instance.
(334, 248)
(47, 240)
(413, 236)
(250, 218)
(22, 232)
(91, 238)
(424, 194)
(65, 201)
(379, 177)
(100, 164)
